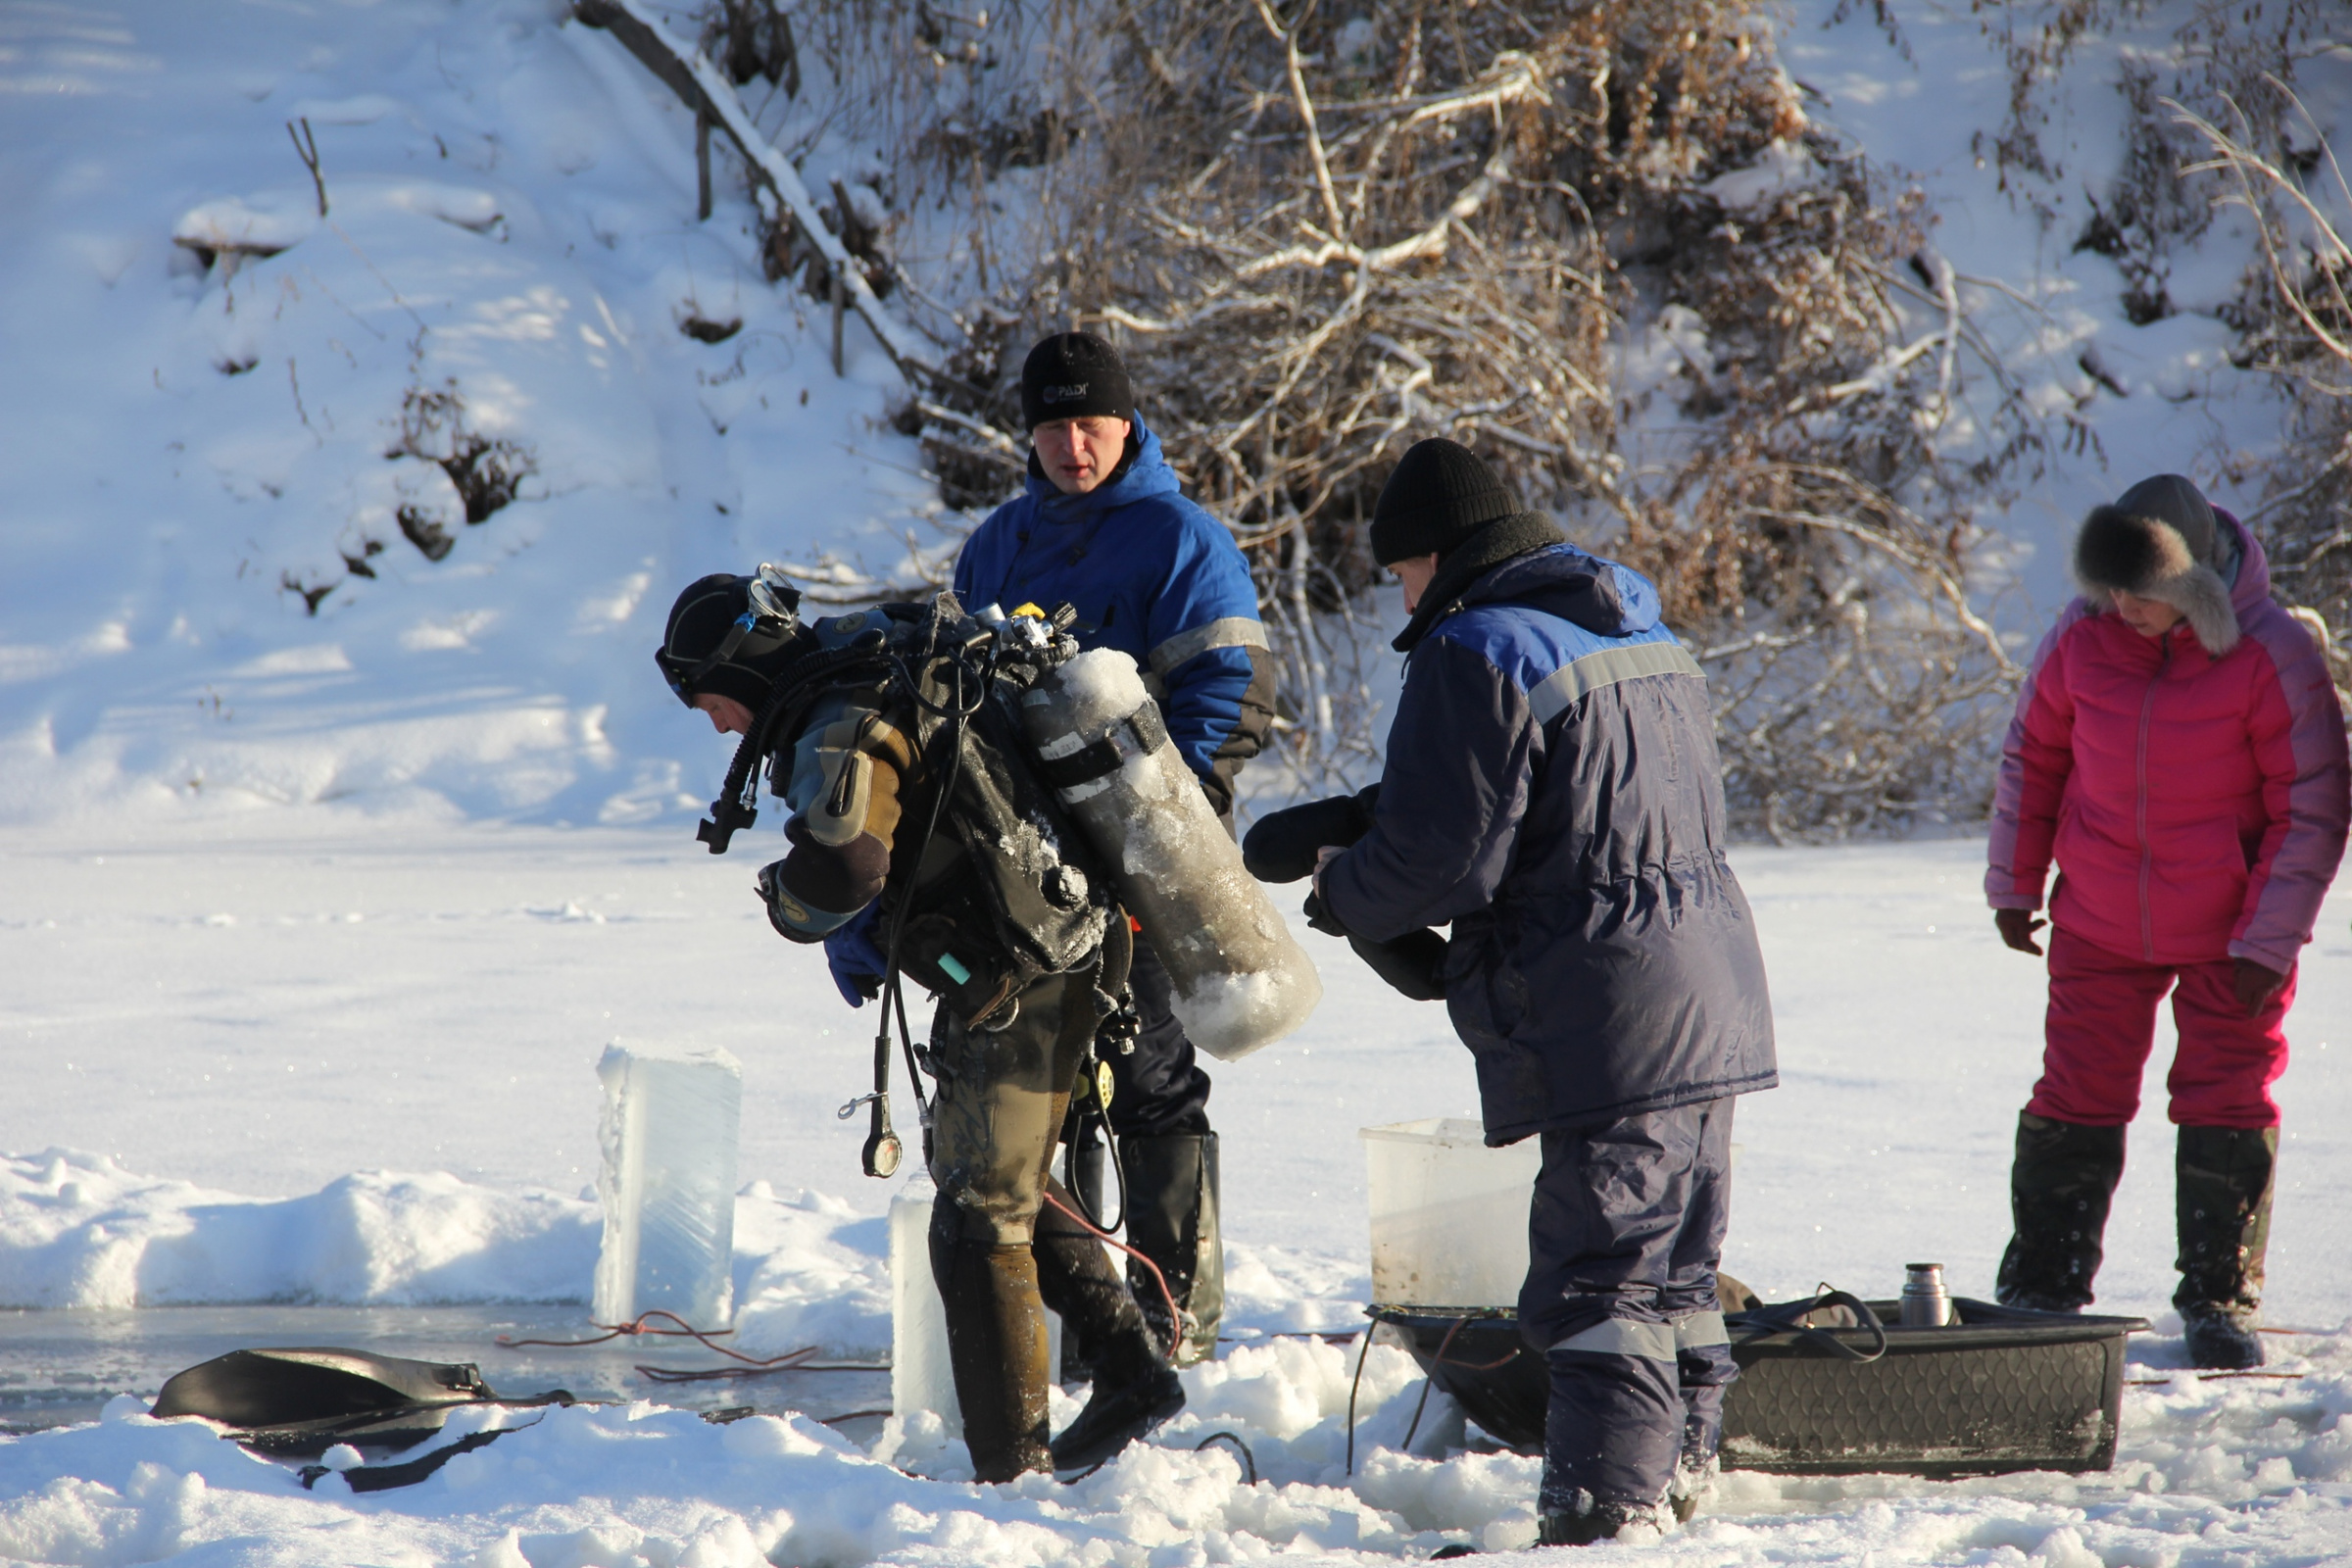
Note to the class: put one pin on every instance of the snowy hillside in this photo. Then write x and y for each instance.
(203, 438)
(241, 564)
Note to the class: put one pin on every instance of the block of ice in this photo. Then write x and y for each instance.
(921, 1378)
(667, 1184)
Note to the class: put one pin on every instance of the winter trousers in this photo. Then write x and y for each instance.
(1623, 1240)
(1158, 1090)
(2101, 1026)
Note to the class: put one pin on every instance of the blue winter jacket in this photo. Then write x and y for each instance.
(1153, 575)
(1552, 790)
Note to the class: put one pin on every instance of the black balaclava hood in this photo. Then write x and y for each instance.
(697, 624)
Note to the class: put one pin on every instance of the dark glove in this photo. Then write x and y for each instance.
(2017, 928)
(858, 965)
(1413, 965)
(1318, 914)
(2257, 984)
(1281, 847)
(773, 899)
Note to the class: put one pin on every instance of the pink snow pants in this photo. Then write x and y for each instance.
(2102, 1024)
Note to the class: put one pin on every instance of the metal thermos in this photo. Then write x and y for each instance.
(1927, 1305)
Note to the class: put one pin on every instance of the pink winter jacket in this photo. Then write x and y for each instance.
(2196, 807)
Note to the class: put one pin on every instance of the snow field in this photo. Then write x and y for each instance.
(2213, 1471)
(1909, 1037)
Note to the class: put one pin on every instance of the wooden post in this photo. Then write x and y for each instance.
(702, 165)
(841, 295)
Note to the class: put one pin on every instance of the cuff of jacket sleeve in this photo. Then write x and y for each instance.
(2269, 957)
(805, 922)
(2013, 900)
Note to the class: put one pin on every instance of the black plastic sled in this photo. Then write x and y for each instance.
(2000, 1390)
(298, 1403)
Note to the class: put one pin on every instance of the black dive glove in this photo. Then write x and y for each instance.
(1281, 847)
(1413, 965)
(778, 901)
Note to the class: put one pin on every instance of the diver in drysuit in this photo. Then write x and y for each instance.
(910, 791)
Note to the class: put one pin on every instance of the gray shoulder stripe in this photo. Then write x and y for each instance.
(1607, 668)
(1233, 631)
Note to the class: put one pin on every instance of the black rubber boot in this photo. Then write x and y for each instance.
(1135, 1387)
(2225, 1176)
(2058, 1192)
(1172, 1220)
(997, 1349)
(1601, 1522)
(1083, 1168)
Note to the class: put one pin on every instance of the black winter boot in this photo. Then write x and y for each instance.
(1172, 1220)
(1084, 1167)
(1135, 1387)
(2059, 1191)
(996, 1348)
(1600, 1522)
(2225, 1176)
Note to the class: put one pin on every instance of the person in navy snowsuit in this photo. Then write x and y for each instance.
(1551, 791)
(1102, 526)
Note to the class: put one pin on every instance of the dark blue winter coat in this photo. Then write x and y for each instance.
(1153, 575)
(1552, 790)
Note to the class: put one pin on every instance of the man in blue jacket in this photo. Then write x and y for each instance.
(1102, 527)
(1551, 790)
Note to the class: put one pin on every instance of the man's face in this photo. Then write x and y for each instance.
(728, 716)
(1415, 571)
(1078, 455)
(2150, 618)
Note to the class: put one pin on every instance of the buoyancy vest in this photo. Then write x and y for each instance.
(990, 886)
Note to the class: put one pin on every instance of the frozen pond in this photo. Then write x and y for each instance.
(61, 1367)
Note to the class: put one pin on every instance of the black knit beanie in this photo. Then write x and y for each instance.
(698, 624)
(1074, 375)
(1440, 494)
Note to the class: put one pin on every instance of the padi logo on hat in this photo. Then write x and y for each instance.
(1070, 392)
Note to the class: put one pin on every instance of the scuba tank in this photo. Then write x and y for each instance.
(1241, 982)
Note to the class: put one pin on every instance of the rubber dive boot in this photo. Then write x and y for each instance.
(2058, 1192)
(2224, 1176)
(997, 1349)
(1172, 1220)
(1135, 1387)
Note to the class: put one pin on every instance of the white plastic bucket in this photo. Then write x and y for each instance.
(1448, 1213)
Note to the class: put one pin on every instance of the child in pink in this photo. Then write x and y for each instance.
(2179, 751)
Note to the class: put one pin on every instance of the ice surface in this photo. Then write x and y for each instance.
(668, 1185)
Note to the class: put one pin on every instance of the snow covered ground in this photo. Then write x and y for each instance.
(312, 1055)
(315, 913)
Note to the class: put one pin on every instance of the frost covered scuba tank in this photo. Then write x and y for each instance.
(1239, 981)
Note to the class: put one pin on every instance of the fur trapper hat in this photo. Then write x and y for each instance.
(2160, 540)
